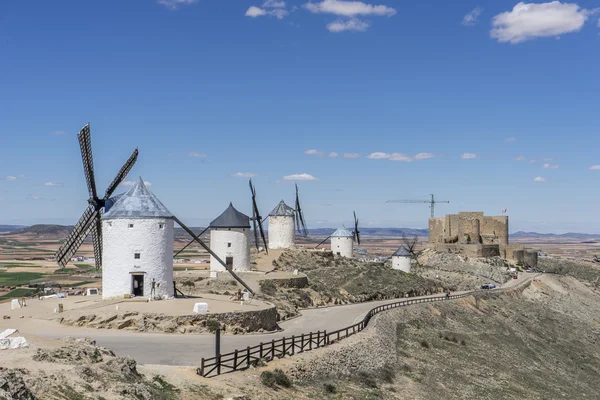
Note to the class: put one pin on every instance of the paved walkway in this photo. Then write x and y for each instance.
(187, 350)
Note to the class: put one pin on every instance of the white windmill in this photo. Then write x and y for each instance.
(284, 221)
(230, 240)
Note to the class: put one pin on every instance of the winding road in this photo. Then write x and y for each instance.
(187, 350)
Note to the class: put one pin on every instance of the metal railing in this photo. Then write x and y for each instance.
(288, 346)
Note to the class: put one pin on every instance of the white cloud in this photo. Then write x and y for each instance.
(424, 156)
(300, 177)
(353, 24)
(244, 175)
(520, 158)
(196, 154)
(378, 156)
(8, 178)
(531, 161)
(53, 184)
(349, 8)
(313, 152)
(595, 168)
(472, 17)
(400, 157)
(530, 21)
(58, 133)
(174, 4)
(550, 166)
(468, 156)
(254, 12)
(274, 4)
(351, 155)
(510, 139)
(539, 179)
(272, 8)
(333, 154)
(132, 183)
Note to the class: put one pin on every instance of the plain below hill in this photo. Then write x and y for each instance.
(10, 228)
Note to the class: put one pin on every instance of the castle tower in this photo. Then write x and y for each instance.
(230, 240)
(282, 229)
(137, 251)
(341, 242)
(401, 259)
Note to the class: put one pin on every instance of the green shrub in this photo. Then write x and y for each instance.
(268, 287)
(424, 344)
(330, 388)
(275, 378)
(212, 325)
(367, 379)
(188, 283)
(388, 373)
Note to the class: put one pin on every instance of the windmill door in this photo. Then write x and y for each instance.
(229, 262)
(138, 285)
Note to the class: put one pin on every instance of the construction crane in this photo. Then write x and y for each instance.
(431, 203)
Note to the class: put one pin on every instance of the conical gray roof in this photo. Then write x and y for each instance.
(342, 232)
(401, 252)
(231, 218)
(138, 202)
(282, 210)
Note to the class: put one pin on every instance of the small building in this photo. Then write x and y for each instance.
(342, 242)
(230, 240)
(282, 228)
(137, 248)
(401, 259)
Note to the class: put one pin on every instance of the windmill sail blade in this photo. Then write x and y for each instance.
(322, 242)
(192, 241)
(121, 175)
(254, 225)
(254, 213)
(85, 144)
(97, 240)
(257, 219)
(262, 235)
(212, 253)
(300, 216)
(76, 237)
(356, 232)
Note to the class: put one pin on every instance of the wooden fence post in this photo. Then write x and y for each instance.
(235, 360)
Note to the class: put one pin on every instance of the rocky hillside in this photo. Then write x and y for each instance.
(78, 369)
(535, 342)
(586, 271)
(462, 272)
(336, 280)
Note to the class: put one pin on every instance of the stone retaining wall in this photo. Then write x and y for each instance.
(299, 282)
(233, 322)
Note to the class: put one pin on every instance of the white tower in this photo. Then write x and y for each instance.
(401, 259)
(137, 248)
(282, 229)
(230, 240)
(341, 243)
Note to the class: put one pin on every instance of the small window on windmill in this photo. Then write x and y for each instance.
(228, 244)
(136, 256)
(130, 226)
(161, 226)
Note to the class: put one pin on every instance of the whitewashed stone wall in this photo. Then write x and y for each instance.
(155, 245)
(282, 232)
(401, 263)
(239, 249)
(342, 245)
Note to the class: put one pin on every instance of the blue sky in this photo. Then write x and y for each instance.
(207, 89)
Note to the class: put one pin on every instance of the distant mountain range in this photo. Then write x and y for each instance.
(63, 230)
(10, 228)
(570, 235)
